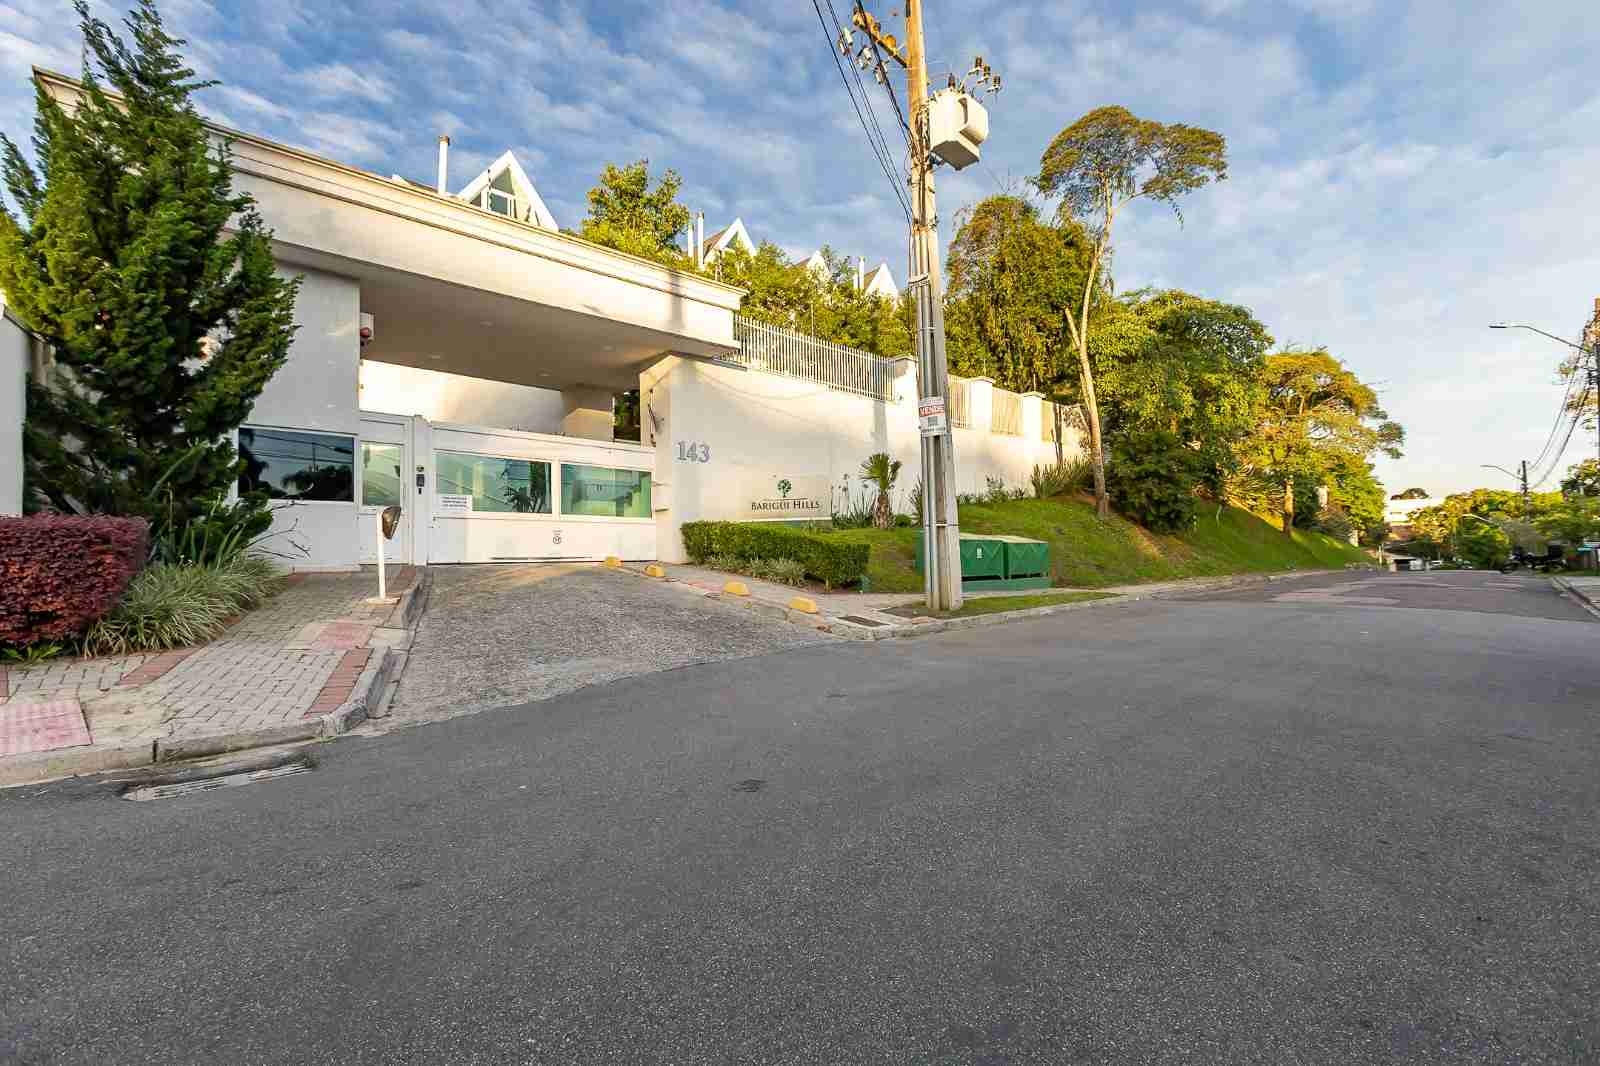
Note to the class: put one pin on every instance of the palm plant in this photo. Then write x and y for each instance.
(880, 471)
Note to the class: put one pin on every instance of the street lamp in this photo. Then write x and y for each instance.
(1522, 477)
(1536, 329)
(1593, 367)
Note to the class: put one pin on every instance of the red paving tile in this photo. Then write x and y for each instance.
(341, 683)
(154, 667)
(343, 634)
(30, 727)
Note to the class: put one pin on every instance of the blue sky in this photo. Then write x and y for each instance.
(1402, 174)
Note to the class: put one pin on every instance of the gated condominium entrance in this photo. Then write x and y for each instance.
(478, 494)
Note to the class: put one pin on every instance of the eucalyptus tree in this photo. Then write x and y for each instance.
(1096, 167)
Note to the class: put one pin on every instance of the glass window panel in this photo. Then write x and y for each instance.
(289, 464)
(598, 490)
(380, 474)
(496, 485)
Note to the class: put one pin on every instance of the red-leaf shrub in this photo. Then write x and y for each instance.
(59, 573)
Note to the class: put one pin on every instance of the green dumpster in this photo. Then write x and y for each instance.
(1025, 558)
(982, 557)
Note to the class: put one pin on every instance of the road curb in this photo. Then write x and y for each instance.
(1575, 594)
(837, 626)
(37, 767)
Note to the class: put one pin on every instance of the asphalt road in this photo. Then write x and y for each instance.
(1240, 830)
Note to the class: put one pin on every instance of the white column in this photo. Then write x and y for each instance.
(980, 398)
(1038, 450)
(13, 408)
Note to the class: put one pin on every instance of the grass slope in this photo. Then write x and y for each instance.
(1086, 552)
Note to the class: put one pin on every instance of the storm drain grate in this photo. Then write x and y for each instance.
(210, 784)
(858, 620)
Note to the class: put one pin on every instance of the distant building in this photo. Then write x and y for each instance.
(879, 281)
(732, 235)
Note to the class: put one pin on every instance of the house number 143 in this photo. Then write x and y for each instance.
(693, 452)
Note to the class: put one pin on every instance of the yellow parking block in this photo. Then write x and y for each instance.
(736, 588)
(803, 604)
(653, 570)
(613, 562)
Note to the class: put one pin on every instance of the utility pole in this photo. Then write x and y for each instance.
(1527, 510)
(941, 527)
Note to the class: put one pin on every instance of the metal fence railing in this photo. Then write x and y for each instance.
(1005, 413)
(959, 401)
(795, 355)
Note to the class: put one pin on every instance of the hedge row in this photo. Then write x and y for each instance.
(60, 573)
(830, 561)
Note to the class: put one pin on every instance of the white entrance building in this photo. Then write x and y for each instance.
(458, 356)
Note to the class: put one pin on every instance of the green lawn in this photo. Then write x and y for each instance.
(1086, 552)
(995, 604)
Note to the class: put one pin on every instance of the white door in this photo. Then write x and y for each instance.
(385, 465)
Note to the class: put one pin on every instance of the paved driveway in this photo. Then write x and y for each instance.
(1167, 832)
(1476, 591)
(496, 635)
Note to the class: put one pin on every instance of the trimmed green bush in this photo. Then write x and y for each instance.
(832, 562)
(1151, 479)
(180, 605)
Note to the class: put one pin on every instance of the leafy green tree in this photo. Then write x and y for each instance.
(1098, 165)
(1480, 543)
(149, 277)
(828, 307)
(1573, 521)
(1317, 418)
(880, 472)
(1153, 478)
(1171, 361)
(1583, 479)
(1012, 281)
(1499, 507)
(1354, 488)
(625, 213)
(1411, 494)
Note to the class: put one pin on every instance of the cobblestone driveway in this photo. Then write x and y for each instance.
(497, 635)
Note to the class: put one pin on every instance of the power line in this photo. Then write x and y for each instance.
(878, 150)
(1555, 426)
(883, 75)
(1555, 460)
(861, 85)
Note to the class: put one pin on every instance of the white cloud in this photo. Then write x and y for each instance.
(333, 80)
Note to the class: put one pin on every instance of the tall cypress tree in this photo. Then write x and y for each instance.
(130, 248)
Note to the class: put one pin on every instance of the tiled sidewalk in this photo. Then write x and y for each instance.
(288, 660)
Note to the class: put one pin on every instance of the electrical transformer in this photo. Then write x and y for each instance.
(957, 125)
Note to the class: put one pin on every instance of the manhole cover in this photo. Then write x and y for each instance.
(858, 620)
(750, 784)
(184, 788)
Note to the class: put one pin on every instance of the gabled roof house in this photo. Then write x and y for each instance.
(727, 237)
(505, 189)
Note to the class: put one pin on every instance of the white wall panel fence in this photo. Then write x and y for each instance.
(722, 436)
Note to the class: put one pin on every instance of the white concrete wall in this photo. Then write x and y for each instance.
(14, 342)
(441, 397)
(316, 389)
(588, 412)
(755, 427)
